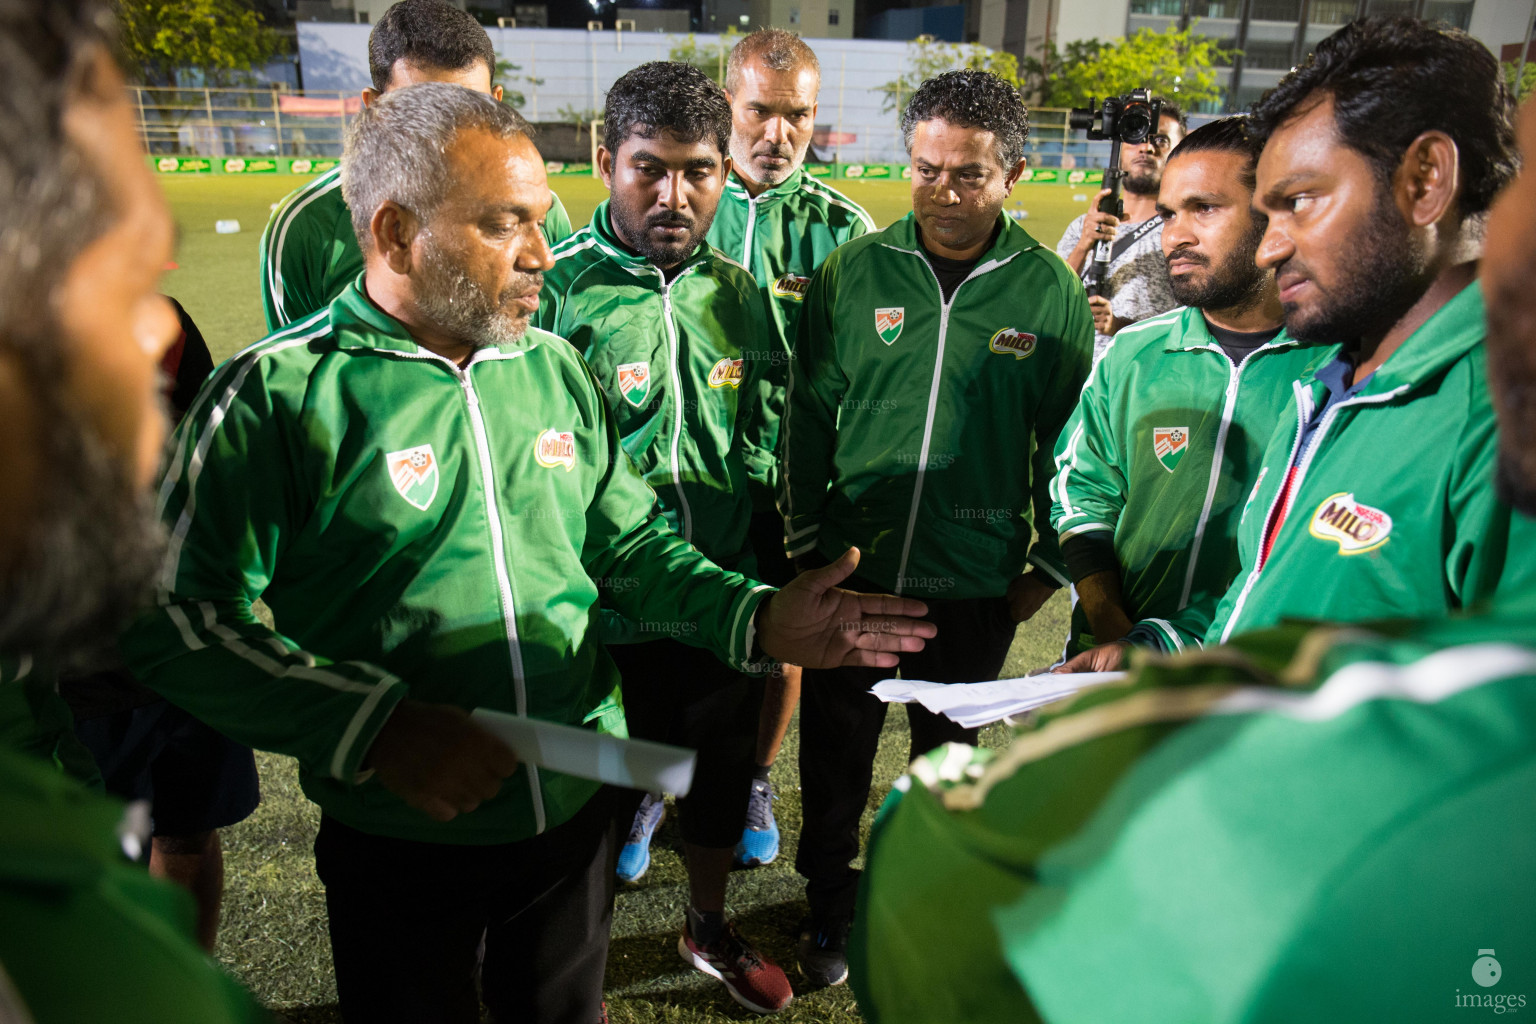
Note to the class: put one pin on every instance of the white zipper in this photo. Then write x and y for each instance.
(746, 244)
(1303, 414)
(1234, 382)
(498, 550)
(677, 396)
(933, 400)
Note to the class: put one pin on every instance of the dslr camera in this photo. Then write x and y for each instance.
(1131, 118)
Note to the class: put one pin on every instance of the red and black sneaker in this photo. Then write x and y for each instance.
(752, 979)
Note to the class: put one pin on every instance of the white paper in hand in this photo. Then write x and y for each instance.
(976, 704)
(634, 764)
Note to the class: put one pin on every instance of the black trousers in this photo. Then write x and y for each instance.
(840, 723)
(683, 695)
(407, 920)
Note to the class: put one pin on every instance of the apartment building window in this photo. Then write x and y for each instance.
(1390, 7)
(1162, 8)
(1457, 13)
(794, 15)
(1331, 12)
(1277, 10)
(832, 18)
(1215, 9)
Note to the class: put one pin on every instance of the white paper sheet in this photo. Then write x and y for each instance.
(636, 764)
(976, 704)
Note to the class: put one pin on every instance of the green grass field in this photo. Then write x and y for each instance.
(274, 936)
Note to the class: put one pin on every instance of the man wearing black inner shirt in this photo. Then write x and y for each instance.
(1155, 463)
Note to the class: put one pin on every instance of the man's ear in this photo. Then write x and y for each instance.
(605, 166)
(1013, 176)
(394, 228)
(369, 95)
(496, 93)
(1428, 179)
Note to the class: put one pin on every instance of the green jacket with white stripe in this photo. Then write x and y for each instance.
(674, 359)
(1158, 457)
(309, 252)
(420, 529)
(1309, 824)
(923, 430)
(1393, 509)
(781, 236)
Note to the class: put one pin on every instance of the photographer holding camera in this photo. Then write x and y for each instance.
(1135, 285)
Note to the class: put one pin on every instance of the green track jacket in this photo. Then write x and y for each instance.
(673, 359)
(782, 235)
(1305, 825)
(923, 430)
(89, 935)
(415, 528)
(309, 251)
(1160, 453)
(1393, 510)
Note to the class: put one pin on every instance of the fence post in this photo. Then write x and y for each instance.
(277, 123)
(341, 112)
(842, 75)
(208, 106)
(138, 95)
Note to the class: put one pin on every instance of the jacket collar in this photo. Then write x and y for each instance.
(357, 323)
(1010, 241)
(1192, 331)
(607, 242)
(1454, 330)
(769, 196)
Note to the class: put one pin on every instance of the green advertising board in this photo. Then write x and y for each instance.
(307, 165)
(182, 164)
(554, 167)
(250, 165)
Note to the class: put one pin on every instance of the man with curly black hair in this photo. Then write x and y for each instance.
(936, 361)
(677, 337)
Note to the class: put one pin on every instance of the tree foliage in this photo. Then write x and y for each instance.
(1176, 64)
(218, 38)
(708, 59)
(1045, 78)
(927, 57)
(1527, 80)
(507, 77)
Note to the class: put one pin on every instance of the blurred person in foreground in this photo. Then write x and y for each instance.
(309, 253)
(84, 235)
(1312, 822)
(426, 492)
(780, 222)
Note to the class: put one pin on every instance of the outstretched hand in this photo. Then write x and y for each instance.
(1108, 657)
(814, 623)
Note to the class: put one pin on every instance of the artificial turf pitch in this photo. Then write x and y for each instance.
(273, 936)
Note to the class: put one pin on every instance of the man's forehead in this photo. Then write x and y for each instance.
(663, 145)
(488, 168)
(759, 78)
(1307, 142)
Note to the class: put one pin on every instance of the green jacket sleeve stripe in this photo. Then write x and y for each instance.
(274, 241)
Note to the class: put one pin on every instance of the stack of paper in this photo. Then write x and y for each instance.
(634, 764)
(976, 704)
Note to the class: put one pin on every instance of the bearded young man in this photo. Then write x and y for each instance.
(309, 253)
(424, 492)
(1309, 823)
(1137, 284)
(1164, 445)
(936, 362)
(676, 338)
(84, 236)
(780, 223)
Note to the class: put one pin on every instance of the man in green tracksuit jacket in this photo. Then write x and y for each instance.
(780, 223)
(429, 497)
(1310, 823)
(309, 252)
(936, 362)
(1163, 447)
(675, 336)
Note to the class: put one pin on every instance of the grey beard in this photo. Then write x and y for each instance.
(87, 563)
(454, 303)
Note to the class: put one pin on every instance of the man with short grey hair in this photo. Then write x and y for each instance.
(779, 221)
(426, 492)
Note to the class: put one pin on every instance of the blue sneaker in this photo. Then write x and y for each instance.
(760, 838)
(635, 858)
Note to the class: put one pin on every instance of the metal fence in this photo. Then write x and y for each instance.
(275, 122)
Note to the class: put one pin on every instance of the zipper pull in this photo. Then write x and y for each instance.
(469, 389)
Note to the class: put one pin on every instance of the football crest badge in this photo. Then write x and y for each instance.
(726, 374)
(635, 382)
(556, 448)
(888, 322)
(1169, 445)
(1354, 527)
(1014, 342)
(413, 471)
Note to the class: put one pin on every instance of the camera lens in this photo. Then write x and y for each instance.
(1135, 123)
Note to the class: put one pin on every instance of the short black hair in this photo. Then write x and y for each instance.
(1394, 78)
(665, 95)
(428, 33)
(971, 99)
(1171, 109)
(1226, 135)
